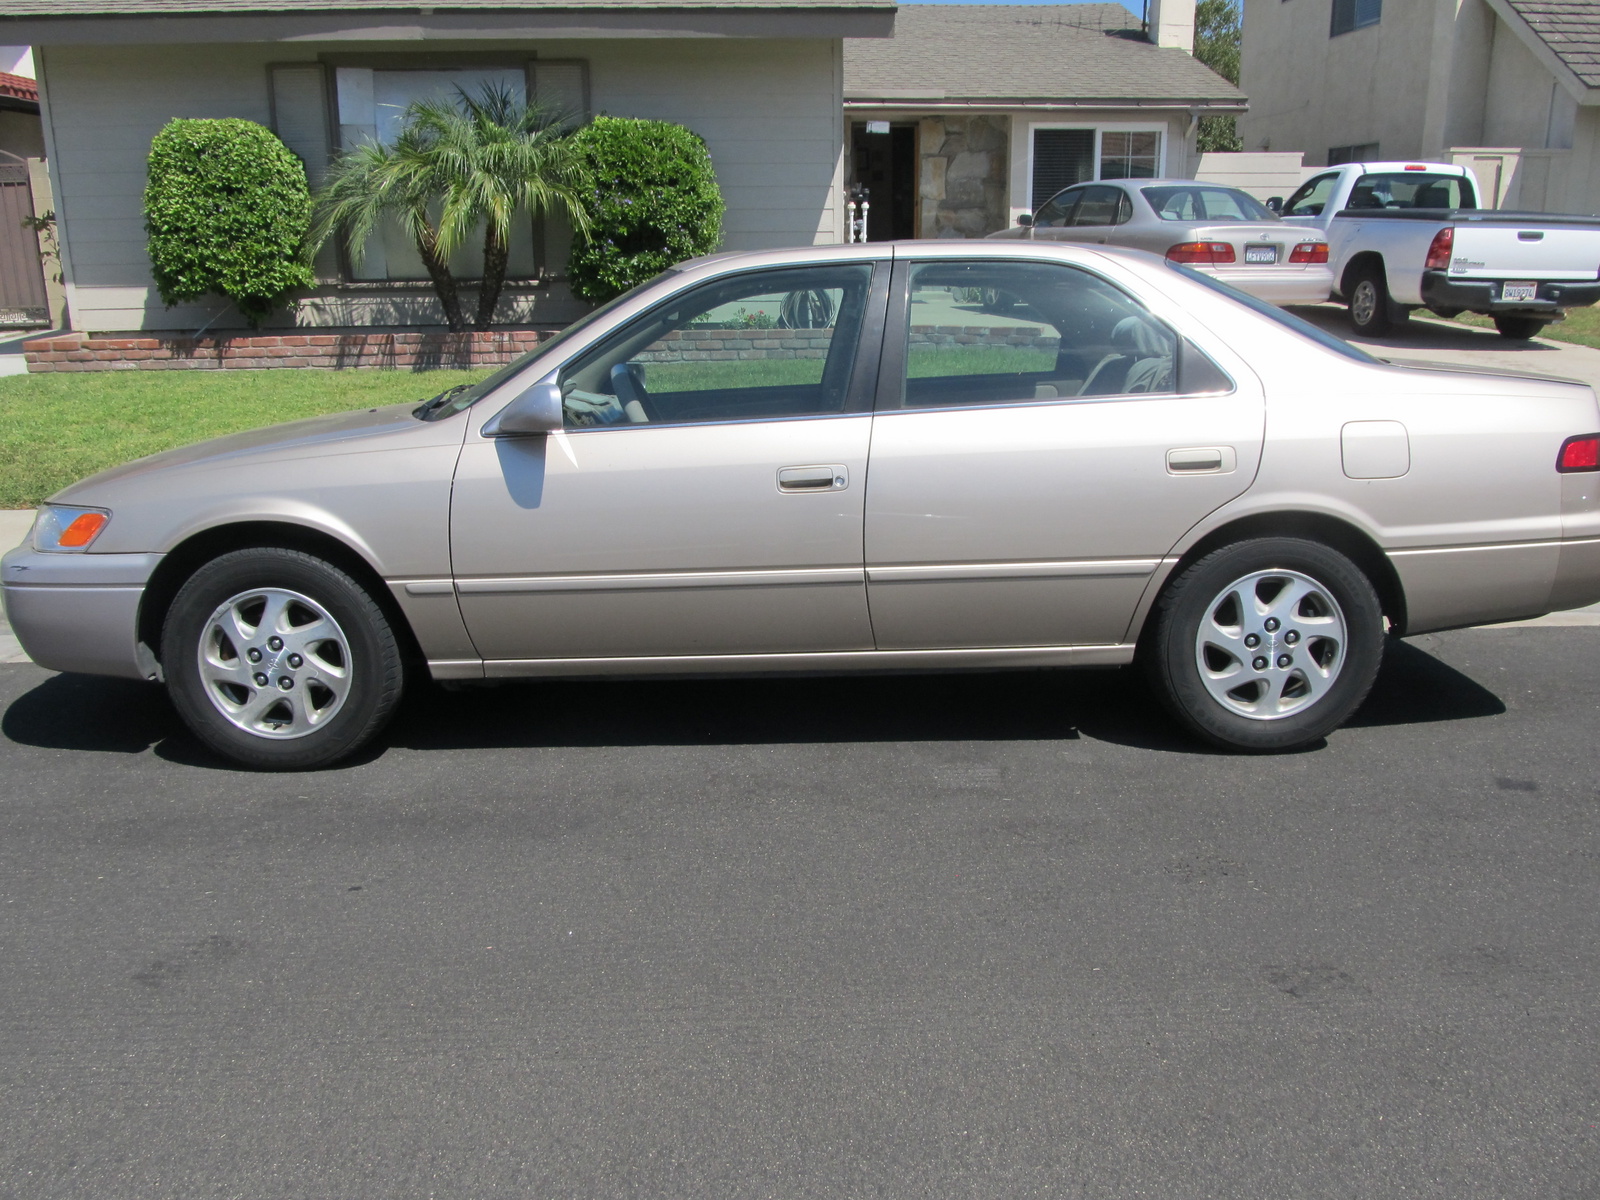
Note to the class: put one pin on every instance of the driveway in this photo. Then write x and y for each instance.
(1427, 339)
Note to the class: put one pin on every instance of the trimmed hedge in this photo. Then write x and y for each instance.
(654, 203)
(227, 211)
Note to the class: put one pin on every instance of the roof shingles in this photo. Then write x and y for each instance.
(203, 8)
(1038, 53)
(1571, 28)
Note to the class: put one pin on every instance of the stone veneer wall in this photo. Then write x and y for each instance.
(962, 176)
(413, 350)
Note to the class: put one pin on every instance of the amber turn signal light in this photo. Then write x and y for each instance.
(81, 532)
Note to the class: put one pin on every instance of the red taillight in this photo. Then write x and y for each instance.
(1309, 252)
(1440, 250)
(1204, 253)
(1581, 453)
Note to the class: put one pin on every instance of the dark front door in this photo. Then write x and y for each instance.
(886, 165)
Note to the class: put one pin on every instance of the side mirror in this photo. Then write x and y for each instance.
(1025, 219)
(537, 410)
(1275, 204)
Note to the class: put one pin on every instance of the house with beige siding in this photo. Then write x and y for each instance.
(1510, 88)
(973, 114)
(958, 118)
(760, 80)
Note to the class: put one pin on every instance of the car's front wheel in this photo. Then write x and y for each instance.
(1266, 645)
(280, 660)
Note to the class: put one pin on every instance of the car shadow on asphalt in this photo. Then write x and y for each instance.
(79, 712)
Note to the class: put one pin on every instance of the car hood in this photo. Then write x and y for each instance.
(334, 433)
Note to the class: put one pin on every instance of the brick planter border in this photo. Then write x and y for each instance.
(332, 349)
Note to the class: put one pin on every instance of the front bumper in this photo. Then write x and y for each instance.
(79, 612)
(1483, 295)
(1279, 284)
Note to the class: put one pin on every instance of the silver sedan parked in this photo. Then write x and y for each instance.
(841, 459)
(1218, 230)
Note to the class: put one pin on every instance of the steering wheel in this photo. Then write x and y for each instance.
(627, 384)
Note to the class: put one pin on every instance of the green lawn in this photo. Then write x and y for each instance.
(55, 429)
(1582, 326)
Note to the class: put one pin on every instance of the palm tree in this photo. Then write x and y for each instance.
(458, 165)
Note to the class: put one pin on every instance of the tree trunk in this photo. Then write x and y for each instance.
(444, 283)
(494, 275)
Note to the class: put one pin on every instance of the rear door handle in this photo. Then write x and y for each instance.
(1202, 460)
(825, 478)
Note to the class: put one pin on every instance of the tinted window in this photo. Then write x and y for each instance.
(1349, 15)
(763, 345)
(1010, 333)
(1099, 206)
(1311, 197)
(1204, 204)
(1411, 189)
(1057, 211)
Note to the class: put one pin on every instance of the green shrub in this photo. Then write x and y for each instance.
(655, 202)
(228, 211)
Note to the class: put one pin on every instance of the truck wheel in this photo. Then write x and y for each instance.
(1520, 328)
(1371, 311)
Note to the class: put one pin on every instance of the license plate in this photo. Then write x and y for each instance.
(1261, 254)
(1519, 291)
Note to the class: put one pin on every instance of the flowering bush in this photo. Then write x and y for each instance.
(654, 202)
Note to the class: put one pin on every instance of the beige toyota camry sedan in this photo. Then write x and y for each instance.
(841, 459)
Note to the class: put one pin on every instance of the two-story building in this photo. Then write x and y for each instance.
(1508, 87)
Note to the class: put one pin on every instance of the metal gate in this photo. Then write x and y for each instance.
(23, 302)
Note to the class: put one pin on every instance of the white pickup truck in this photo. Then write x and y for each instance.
(1403, 235)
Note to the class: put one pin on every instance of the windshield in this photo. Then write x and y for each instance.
(448, 404)
(1189, 203)
(1288, 320)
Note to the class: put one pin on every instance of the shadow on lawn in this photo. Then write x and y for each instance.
(76, 712)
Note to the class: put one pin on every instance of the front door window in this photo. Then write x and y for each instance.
(767, 345)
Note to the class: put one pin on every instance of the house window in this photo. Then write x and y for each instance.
(1360, 152)
(1349, 15)
(1063, 157)
(372, 105)
(1129, 155)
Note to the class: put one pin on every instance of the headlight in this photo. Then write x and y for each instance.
(67, 530)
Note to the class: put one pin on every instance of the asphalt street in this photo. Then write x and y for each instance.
(957, 936)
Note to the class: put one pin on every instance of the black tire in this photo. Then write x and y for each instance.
(1447, 314)
(1372, 312)
(1172, 652)
(1519, 328)
(356, 705)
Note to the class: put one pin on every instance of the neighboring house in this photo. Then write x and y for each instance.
(21, 132)
(973, 114)
(760, 80)
(1510, 88)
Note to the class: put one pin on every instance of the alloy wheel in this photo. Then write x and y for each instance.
(1271, 644)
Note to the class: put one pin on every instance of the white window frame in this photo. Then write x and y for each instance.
(1100, 128)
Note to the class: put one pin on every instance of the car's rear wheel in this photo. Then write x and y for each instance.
(1266, 645)
(1519, 328)
(280, 660)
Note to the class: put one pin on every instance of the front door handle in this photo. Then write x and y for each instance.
(823, 478)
